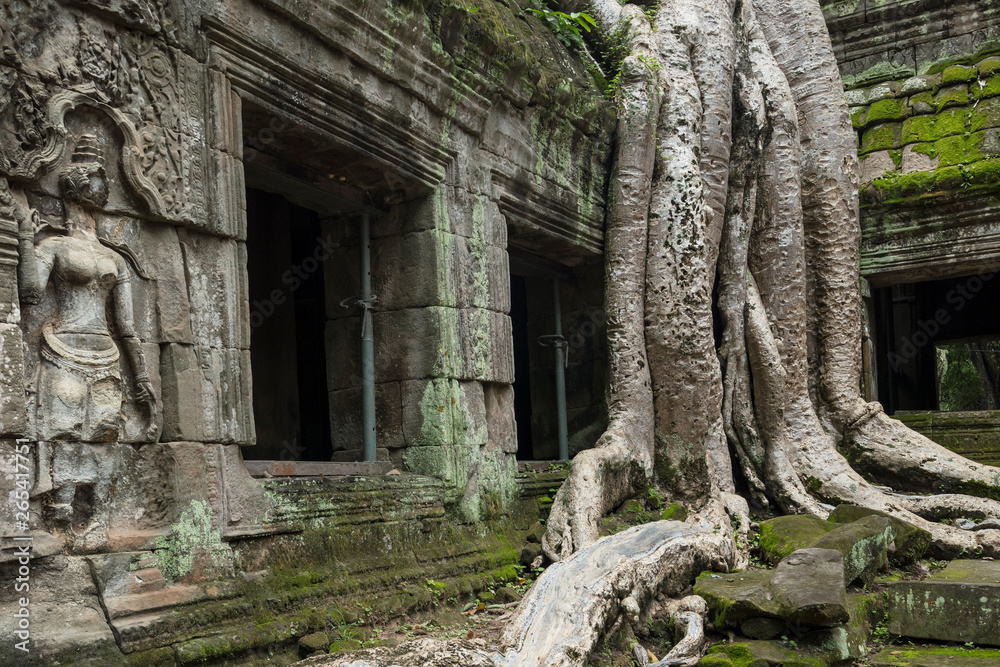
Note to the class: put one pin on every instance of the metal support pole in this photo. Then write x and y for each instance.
(367, 344)
(561, 361)
(561, 346)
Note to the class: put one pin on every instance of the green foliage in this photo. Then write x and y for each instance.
(960, 385)
(569, 28)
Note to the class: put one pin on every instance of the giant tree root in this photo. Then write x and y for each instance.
(575, 602)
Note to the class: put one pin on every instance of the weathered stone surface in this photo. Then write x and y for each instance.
(737, 596)
(959, 603)
(444, 412)
(65, 614)
(809, 588)
(500, 425)
(910, 542)
(783, 535)
(952, 656)
(316, 641)
(759, 653)
(762, 627)
(864, 545)
(864, 542)
(12, 407)
(346, 418)
(42, 545)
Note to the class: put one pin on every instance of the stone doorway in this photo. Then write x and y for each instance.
(285, 254)
(532, 313)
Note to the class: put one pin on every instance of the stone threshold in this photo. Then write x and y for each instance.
(541, 466)
(316, 468)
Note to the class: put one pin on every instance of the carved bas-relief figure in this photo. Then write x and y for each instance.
(77, 387)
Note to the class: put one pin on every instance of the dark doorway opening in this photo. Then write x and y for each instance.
(939, 344)
(522, 366)
(287, 319)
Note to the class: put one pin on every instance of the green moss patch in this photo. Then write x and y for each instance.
(943, 656)
(959, 74)
(880, 138)
(783, 535)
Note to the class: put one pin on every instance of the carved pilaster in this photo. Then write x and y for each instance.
(12, 412)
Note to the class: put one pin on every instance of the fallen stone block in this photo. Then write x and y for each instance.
(959, 603)
(735, 597)
(808, 587)
(910, 541)
(781, 536)
(865, 542)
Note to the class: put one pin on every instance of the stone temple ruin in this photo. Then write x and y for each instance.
(207, 208)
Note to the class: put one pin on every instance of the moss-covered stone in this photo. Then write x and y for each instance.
(735, 597)
(958, 74)
(316, 641)
(783, 535)
(674, 512)
(344, 645)
(886, 110)
(988, 67)
(910, 541)
(864, 544)
(952, 96)
(920, 129)
(939, 656)
(989, 87)
(880, 138)
(761, 654)
(960, 603)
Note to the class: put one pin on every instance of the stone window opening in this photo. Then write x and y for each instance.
(937, 356)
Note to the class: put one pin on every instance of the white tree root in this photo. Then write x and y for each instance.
(576, 601)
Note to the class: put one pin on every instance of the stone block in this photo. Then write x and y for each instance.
(67, 619)
(159, 250)
(180, 394)
(448, 462)
(783, 535)
(960, 603)
(443, 412)
(415, 270)
(863, 543)
(735, 597)
(875, 165)
(12, 405)
(809, 587)
(498, 271)
(503, 349)
(910, 542)
(216, 284)
(343, 354)
(346, 420)
(500, 424)
(206, 394)
(913, 161)
(935, 656)
(418, 343)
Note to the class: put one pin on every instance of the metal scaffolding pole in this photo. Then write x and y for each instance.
(367, 344)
